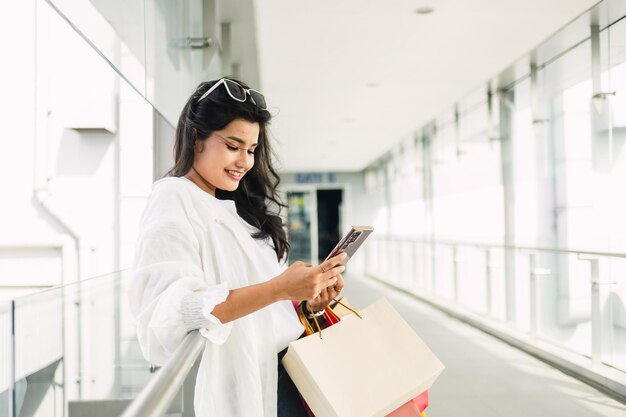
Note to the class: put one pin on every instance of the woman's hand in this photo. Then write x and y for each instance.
(329, 293)
(301, 281)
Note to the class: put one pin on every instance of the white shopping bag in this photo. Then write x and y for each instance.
(362, 367)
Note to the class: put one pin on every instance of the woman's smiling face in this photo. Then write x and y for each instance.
(224, 157)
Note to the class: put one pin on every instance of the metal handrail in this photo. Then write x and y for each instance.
(155, 398)
(501, 246)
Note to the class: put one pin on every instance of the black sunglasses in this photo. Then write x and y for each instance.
(238, 93)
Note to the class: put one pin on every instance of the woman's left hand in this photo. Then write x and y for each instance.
(326, 296)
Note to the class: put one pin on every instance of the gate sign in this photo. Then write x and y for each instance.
(314, 177)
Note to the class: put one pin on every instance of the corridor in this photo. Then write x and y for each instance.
(485, 377)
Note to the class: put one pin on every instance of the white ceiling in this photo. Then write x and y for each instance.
(348, 79)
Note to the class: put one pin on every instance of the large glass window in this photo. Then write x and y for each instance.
(558, 304)
(518, 202)
(609, 112)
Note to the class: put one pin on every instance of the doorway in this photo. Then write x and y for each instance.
(329, 204)
(314, 222)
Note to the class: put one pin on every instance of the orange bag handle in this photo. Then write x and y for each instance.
(329, 314)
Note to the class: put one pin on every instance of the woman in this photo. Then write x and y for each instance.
(209, 255)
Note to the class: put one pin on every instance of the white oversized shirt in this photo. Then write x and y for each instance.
(190, 243)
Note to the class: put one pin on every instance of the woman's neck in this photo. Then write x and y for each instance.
(197, 179)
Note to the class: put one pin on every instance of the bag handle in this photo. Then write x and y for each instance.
(342, 304)
(307, 325)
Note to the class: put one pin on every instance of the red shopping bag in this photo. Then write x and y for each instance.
(413, 408)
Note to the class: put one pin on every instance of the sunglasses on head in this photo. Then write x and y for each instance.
(238, 93)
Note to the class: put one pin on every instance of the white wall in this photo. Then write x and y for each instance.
(76, 166)
(76, 139)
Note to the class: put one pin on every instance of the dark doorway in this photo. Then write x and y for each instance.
(329, 203)
(299, 225)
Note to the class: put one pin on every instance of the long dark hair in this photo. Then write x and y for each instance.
(258, 186)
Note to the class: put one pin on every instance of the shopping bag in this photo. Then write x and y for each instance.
(328, 318)
(341, 307)
(413, 408)
(332, 314)
(377, 359)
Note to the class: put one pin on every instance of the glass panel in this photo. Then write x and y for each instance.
(522, 292)
(387, 261)
(563, 300)
(471, 265)
(609, 149)
(478, 187)
(408, 208)
(299, 225)
(76, 349)
(444, 272)
(612, 298)
(565, 89)
(39, 354)
(496, 298)
(424, 268)
(466, 173)
(610, 128)
(5, 358)
(177, 56)
(553, 297)
(115, 28)
(526, 165)
(443, 177)
(164, 49)
(406, 262)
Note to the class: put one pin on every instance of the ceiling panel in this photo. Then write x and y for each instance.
(348, 79)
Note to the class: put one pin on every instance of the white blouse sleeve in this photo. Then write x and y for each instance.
(196, 313)
(169, 294)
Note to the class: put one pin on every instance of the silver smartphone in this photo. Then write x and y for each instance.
(351, 241)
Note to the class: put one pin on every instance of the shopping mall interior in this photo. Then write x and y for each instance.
(481, 140)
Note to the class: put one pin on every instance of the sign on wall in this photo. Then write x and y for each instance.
(315, 178)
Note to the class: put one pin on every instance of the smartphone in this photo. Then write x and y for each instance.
(351, 241)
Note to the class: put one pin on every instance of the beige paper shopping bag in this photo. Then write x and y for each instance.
(364, 367)
(342, 307)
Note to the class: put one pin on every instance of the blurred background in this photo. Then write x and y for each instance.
(482, 139)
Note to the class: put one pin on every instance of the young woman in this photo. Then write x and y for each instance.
(209, 257)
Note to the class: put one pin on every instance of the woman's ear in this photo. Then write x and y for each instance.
(198, 145)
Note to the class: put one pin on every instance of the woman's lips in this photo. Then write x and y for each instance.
(235, 175)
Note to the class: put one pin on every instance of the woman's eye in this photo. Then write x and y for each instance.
(232, 148)
(251, 152)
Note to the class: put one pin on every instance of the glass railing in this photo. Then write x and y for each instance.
(573, 300)
(171, 391)
(75, 351)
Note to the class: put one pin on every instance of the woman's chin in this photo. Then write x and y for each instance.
(230, 187)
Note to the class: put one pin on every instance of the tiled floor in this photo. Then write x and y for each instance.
(485, 377)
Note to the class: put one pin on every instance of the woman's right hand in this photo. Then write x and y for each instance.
(301, 281)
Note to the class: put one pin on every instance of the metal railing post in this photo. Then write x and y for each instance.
(433, 268)
(599, 329)
(488, 283)
(601, 326)
(534, 272)
(532, 264)
(596, 313)
(455, 274)
(12, 398)
(398, 267)
(414, 274)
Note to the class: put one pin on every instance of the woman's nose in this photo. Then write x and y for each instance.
(245, 160)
